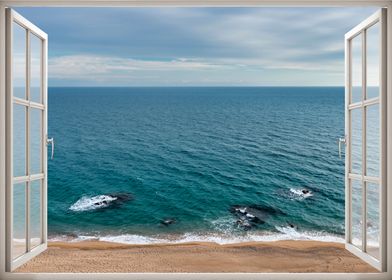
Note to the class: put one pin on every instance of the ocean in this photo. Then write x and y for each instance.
(172, 164)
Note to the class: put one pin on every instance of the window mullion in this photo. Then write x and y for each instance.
(364, 184)
(28, 184)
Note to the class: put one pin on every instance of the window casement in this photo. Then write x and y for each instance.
(365, 111)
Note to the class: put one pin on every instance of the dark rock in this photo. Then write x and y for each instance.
(252, 215)
(244, 224)
(121, 198)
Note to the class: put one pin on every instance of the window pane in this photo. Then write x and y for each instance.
(373, 219)
(19, 140)
(356, 69)
(356, 141)
(19, 61)
(35, 141)
(19, 220)
(35, 212)
(373, 140)
(35, 82)
(356, 210)
(373, 61)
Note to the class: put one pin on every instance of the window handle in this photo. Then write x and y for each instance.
(342, 140)
(51, 142)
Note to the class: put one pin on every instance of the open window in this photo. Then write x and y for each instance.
(26, 172)
(366, 140)
(27, 140)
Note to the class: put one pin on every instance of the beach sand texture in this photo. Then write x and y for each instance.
(279, 256)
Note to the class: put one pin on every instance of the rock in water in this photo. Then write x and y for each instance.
(121, 198)
(245, 224)
(291, 225)
(253, 215)
(305, 191)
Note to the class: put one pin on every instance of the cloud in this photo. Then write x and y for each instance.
(89, 43)
(113, 70)
(77, 66)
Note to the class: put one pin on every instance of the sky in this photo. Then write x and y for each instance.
(196, 46)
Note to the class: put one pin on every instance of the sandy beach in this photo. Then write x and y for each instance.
(279, 256)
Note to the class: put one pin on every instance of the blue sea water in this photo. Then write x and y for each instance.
(127, 159)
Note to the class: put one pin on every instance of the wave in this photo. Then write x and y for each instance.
(300, 193)
(91, 203)
(135, 239)
(88, 203)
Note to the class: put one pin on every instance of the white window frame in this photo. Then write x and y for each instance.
(361, 31)
(12, 18)
(194, 3)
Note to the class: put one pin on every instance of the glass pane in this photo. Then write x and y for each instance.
(373, 219)
(19, 60)
(35, 212)
(35, 82)
(35, 141)
(373, 140)
(19, 220)
(356, 69)
(373, 61)
(356, 141)
(19, 140)
(356, 210)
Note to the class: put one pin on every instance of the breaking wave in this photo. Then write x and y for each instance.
(300, 193)
(89, 203)
(135, 239)
(92, 203)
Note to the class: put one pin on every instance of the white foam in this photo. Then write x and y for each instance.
(224, 239)
(133, 239)
(60, 238)
(284, 234)
(242, 210)
(299, 194)
(86, 203)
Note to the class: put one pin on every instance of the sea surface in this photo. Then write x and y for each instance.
(174, 164)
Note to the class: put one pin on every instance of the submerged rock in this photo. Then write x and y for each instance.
(122, 197)
(119, 199)
(253, 215)
(245, 224)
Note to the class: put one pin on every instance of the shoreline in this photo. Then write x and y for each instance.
(282, 234)
(199, 257)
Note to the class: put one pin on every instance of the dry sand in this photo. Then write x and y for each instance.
(279, 256)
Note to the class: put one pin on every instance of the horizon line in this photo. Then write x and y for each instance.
(191, 86)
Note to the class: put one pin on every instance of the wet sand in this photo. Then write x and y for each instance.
(279, 256)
